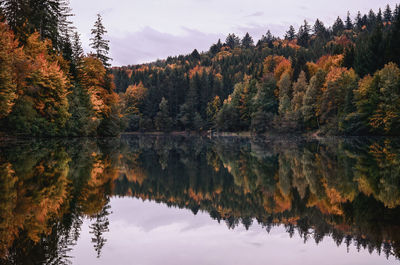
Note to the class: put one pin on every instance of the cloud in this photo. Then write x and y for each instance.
(256, 14)
(149, 44)
(142, 31)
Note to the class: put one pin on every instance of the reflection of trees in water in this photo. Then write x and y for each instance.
(332, 187)
(345, 189)
(46, 189)
(99, 227)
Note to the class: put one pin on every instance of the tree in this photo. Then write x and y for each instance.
(337, 94)
(261, 121)
(42, 108)
(47, 17)
(212, 110)
(284, 85)
(16, 15)
(386, 117)
(133, 99)
(195, 54)
(77, 50)
(163, 121)
(82, 121)
(227, 118)
(291, 33)
(310, 99)
(338, 27)
(369, 52)
(98, 43)
(232, 41)
(216, 48)
(247, 41)
(267, 39)
(303, 36)
(387, 14)
(319, 29)
(11, 57)
(299, 89)
(77, 54)
(349, 23)
(99, 227)
(359, 21)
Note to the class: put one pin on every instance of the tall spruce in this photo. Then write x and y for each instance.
(98, 43)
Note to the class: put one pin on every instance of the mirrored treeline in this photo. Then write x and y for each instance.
(346, 189)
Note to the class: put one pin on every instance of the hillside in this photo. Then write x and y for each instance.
(342, 79)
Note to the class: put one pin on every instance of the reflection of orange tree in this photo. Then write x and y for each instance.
(31, 193)
(42, 184)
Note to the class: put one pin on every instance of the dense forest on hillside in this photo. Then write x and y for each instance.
(48, 87)
(343, 79)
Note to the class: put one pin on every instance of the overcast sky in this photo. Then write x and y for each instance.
(145, 30)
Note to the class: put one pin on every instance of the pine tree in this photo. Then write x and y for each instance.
(338, 27)
(303, 35)
(216, 48)
(247, 41)
(387, 14)
(99, 227)
(212, 110)
(163, 121)
(98, 43)
(319, 29)
(232, 41)
(195, 55)
(48, 17)
(359, 22)
(291, 33)
(77, 50)
(349, 23)
(16, 13)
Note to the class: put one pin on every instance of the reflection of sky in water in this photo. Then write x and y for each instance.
(144, 233)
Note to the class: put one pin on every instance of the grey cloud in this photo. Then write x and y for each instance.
(149, 44)
(256, 14)
(256, 31)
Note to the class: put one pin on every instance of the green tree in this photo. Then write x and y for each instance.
(232, 41)
(291, 33)
(247, 41)
(310, 100)
(338, 27)
(299, 90)
(98, 43)
(285, 85)
(303, 36)
(163, 121)
(349, 23)
(386, 117)
(213, 108)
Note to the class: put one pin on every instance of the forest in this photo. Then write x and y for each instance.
(48, 86)
(340, 80)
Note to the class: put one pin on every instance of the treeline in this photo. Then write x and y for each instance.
(343, 79)
(48, 87)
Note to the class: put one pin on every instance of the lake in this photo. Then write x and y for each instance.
(197, 200)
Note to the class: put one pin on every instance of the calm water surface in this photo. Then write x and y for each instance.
(177, 200)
